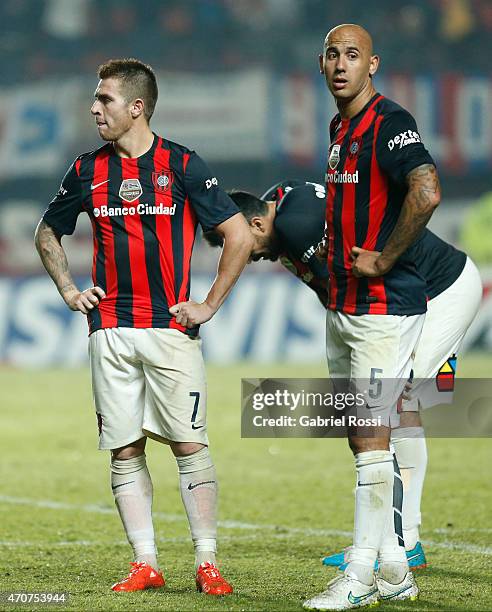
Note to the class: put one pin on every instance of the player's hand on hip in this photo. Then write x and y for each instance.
(321, 252)
(190, 313)
(84, 301)
(367, 263)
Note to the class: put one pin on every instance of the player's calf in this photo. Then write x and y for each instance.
(133, 492)
(198, 485)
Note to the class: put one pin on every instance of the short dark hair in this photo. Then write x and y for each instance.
(138, 79)
(248, 204)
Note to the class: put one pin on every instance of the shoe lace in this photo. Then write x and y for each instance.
(136, 567)
(211, 571)
(337, 584)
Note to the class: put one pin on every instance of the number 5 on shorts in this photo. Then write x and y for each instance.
(196, 395)
(376, 392)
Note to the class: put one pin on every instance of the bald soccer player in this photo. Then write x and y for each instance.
(382, 188)
(287, 223)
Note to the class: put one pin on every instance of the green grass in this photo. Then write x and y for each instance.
(281, 494)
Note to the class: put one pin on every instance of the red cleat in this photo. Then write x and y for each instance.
(210, 582)
(141, 577)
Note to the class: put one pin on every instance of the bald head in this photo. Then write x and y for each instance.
(349, 64)
(351, 33)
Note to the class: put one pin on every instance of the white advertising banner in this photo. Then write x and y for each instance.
(36, 129)
(268, 317)
(251, 115)
(223, 117)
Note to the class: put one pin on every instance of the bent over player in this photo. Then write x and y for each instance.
(144, 196)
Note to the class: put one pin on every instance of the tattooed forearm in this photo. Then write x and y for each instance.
(54, 259)
(423, 197)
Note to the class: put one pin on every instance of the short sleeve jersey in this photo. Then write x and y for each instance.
(369, 159)
(144, 213)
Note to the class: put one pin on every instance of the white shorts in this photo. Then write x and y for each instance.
(449, 315)
(374, 352)
(148, 382)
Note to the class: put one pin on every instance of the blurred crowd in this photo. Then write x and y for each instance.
(43, 38)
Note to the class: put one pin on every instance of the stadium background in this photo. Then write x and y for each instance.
(239, 83)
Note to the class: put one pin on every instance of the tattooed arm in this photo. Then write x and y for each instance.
(55, 261)
(423, 197)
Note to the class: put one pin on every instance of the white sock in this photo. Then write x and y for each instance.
(198, 484)
(393, 564)
(132, 490)
(373, 501)
(411, 452)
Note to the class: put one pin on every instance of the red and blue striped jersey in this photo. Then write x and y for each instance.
(144, 213)
(369, 158)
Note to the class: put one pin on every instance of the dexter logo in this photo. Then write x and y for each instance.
(210, 182)
(404, 139)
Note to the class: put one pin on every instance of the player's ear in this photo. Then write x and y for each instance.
(137, 108)
(257, 225)
(321, 63)
(373, 65)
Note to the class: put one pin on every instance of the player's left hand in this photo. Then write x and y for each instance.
(190, 313)
(368, 263)
(321, 252)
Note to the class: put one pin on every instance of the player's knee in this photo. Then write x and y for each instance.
(356, 445)
(181, 449)
(131, 465)
(410, 419)
(196, 462)
(135, 449)
(361, 445)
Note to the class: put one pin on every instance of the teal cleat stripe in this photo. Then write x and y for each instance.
(354, 600)
(397, 593)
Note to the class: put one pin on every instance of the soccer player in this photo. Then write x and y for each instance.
(382, 188)
(287, 223)
(144, 196)
(454, 291)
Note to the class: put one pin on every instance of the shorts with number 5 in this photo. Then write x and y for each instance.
(375, 354)
(148, 382)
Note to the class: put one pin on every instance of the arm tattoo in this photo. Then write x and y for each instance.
(424, 180)
(53, 257)
(422, 198)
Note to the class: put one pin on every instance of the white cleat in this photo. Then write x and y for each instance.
(406, 589)
(344, 593)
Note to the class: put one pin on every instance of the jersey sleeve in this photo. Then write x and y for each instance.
(211, 204)
(300, 225)
(65, 207)
(399, 147)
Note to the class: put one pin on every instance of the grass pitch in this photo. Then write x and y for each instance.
(283, 504)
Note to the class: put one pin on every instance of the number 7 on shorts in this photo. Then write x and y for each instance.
(196, 395)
